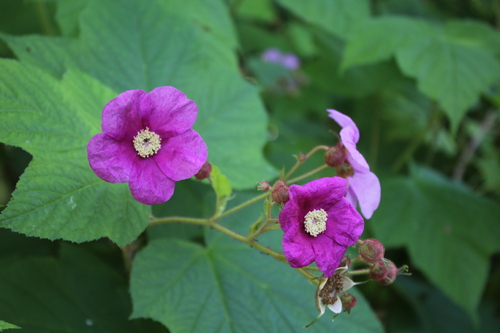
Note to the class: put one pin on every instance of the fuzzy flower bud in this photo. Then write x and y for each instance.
(335, 156)
(263, 186)
(279, 193)
(345, 170)
(204, 172)
(371, 250)
(378, 270)
(348, 301)
(392, 272)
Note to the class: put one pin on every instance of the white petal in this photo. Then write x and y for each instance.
(337, 306)
(347, 283)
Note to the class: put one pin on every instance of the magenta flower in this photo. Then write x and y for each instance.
(319, 224)
(147, 141)
(287, 60)
(364, 186)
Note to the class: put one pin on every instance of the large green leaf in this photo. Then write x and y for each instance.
(335, 16)
(78, 293)
(452, 64)
(145, 44)
(5, 326)
(450, 232)
(59, 196)
(227, 286)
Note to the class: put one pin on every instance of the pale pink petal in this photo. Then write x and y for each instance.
(149, 185)
(113, 161)
(367, 189)
(352, 132)
(121, 117)
(167, 111)
(182, 156)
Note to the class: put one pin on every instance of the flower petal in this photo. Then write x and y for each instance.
(113, 161)
(149, 185)
(344, 225)
(352, 132)
(182, 156)
(328, 254)
(366, 186)
(120, 117)
(167, 111)
(296, 247)
(325, 190)
(337, 306)
(349, 136)
(347, 283)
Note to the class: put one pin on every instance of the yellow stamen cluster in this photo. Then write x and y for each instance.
(147, 143)
(315, 222)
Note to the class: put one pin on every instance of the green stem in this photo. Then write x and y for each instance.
(359, 272)
(44, 18)
(243, 205)
(308, 174)
(302, 160)
(178, 219)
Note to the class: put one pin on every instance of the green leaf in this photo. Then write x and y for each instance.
(437, 313)
(186, 45)
(256, 9)
(380, 38)
(453, 74)
(450, 232)
(59, 196)
(227, 286)
(222, 188)
(450, 66)
(77, 293)
(5, 326)
(335, 16)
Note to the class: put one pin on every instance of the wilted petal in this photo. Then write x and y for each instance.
(167, 111)
(182, 156)
(366, 186)
(113, 161)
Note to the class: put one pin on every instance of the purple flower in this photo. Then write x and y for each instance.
(148, 142)
(287, 60)
(319, 224)
(364, 186)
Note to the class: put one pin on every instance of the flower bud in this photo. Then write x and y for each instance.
(263, 186)
(392, 272)
(371, 250)
(348, 301)
(279, 192)
(204, 172)
(335, 156)
(345, 170)
(378, 270)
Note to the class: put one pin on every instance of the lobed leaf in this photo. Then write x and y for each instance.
(449, 231)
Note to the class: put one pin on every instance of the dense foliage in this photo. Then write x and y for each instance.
(419, 78)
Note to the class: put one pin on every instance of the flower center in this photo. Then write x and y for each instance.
(147, 143)
(330, 291)
(315, 222)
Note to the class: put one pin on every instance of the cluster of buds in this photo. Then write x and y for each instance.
(336, 157)
(382, 270)
(279, 191)
(332, 291)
